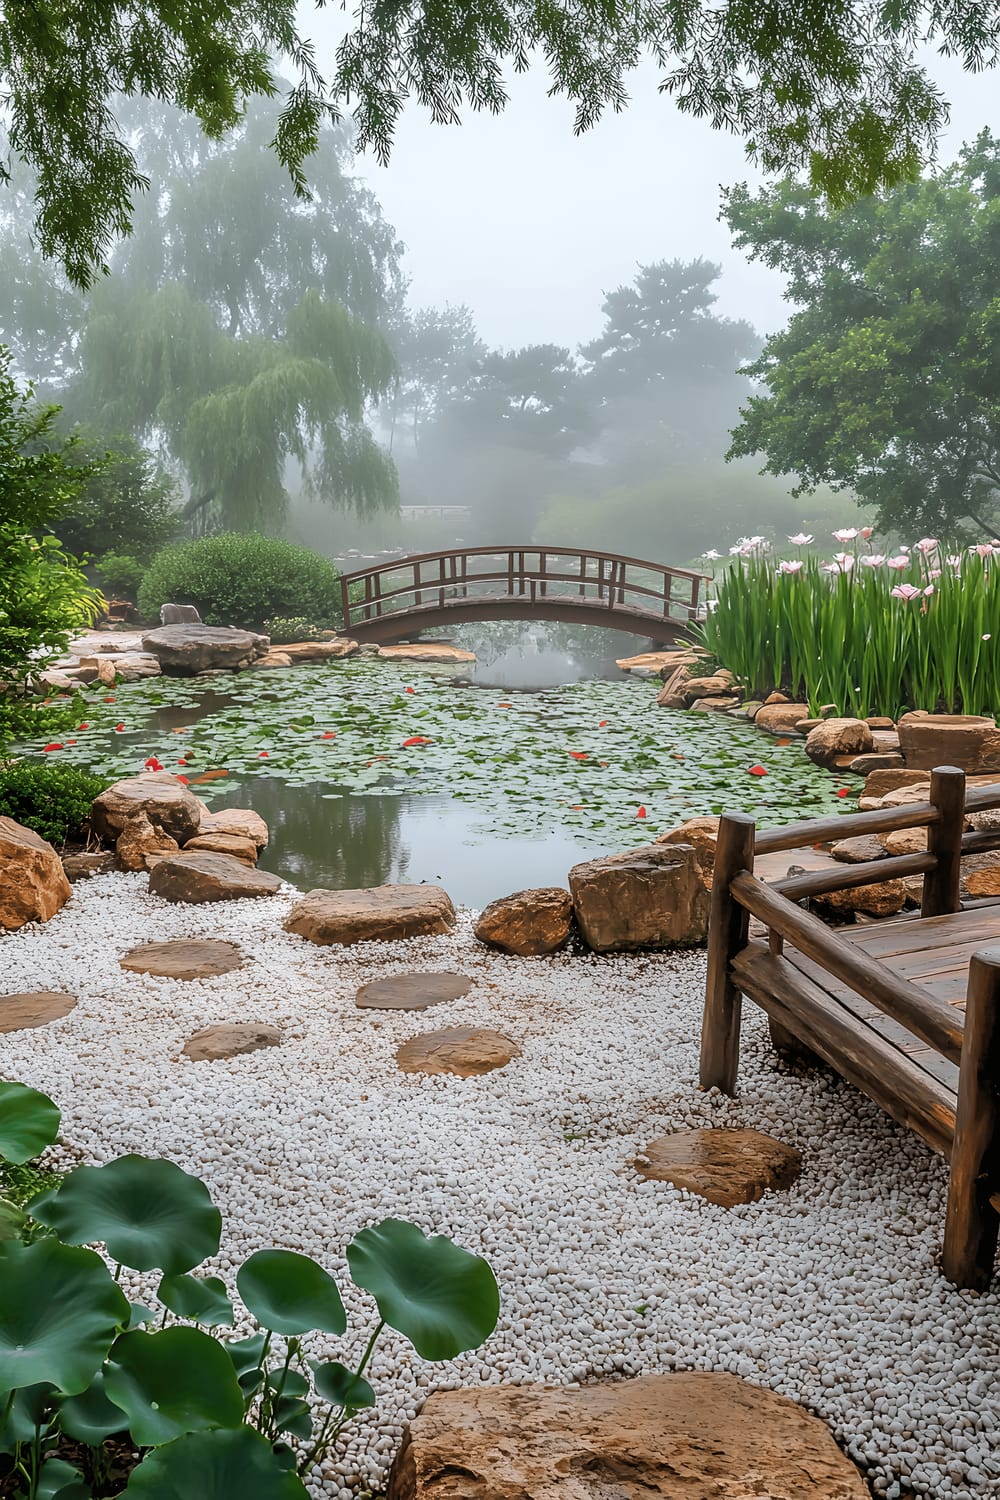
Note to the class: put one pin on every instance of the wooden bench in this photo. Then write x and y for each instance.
(907, 1010)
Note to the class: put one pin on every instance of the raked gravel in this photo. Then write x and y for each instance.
(829, 1294)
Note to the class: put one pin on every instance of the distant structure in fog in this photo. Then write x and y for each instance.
(445, 512)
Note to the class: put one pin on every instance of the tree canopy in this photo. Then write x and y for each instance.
(887, 378)
(833, 89)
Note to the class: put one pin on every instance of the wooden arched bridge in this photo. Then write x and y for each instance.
(394, 599)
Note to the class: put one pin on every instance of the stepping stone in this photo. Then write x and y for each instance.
(33, 1008)
(184, 958)
(230, 1039)
(412, 991)
(382, 913)
(463, 1050)
(208, 877)
(687, 1436)
(725, 1166)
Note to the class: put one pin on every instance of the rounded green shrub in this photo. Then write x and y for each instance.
(299, 628)
(242, 579)
(53, 800)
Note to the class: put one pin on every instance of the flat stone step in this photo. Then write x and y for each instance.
(33, 1008)
(412, 991)
(184, 958)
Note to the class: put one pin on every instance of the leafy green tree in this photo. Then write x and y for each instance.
(437, 350)
(44, 596)
(886, 379)
(526, 398)
(663, 373)
(834, 89)
(127, 505)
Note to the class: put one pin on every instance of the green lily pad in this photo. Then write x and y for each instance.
(169, 1383)
(59, 1312)
(233, 1464)
(290, 1293)
(148, 1212)
(201, 1298)
(29, 1122)
(91, 1416)
(336, 1383)
(443, 1298)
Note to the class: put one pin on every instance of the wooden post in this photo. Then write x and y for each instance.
(727, 934)
(944, 841)
(345, 605)
(970, 1235)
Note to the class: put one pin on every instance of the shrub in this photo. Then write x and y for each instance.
(298, 628)
(120, 575)
(53, 800)
(204, 1415)
(125, 502)
(242, 579)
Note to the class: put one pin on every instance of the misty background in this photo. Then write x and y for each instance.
(507, 334)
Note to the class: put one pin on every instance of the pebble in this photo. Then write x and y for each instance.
(828, 1293)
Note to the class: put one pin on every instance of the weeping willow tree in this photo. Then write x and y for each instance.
(239, 331)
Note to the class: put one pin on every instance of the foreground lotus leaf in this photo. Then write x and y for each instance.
(443, 1298)
(169, 1383)
(148, 1212)
(59, 1312)
(201, 1298)
(91, 1416)
(29, 1122)
(227, 1464)
(290, 1293)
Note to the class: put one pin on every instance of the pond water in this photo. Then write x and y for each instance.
(369, 771)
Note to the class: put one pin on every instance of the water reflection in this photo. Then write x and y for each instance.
(349, 841)
(515, 656)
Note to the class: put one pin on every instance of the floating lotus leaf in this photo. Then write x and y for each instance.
(169, 1383)
(336, 1383)
(59, 1312)
(443, 1298)
(290, 1293)
(29, 1122)
(148, 1212)
(235, 1464)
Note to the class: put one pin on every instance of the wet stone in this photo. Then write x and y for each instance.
(466, 1051)
(725, 1166)
(412, 991)
(184, 958)
(33, 1008)
(230, 1039)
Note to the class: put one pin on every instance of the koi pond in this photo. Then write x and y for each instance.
(369, 771)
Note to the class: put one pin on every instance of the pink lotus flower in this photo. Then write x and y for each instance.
(899, 562)
(872, 560)
(982, 549)
(954, 559)
(929, 589)
(800, 539)
(845, 559)
(934, 573)
(927, 544)
(907, 591)
(866, 532)
(849, 534)
(790, 567)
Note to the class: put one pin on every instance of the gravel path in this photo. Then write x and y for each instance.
(828, 1294)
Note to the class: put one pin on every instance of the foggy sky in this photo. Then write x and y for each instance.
(529, 225)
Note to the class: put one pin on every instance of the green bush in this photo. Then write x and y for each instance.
(53, 800)
(119, 575)
(242, 579)
(298, 628)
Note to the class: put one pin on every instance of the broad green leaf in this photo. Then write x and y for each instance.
(32, 1407)
(246, 1354)
(235, 1464)
(29, 1122)
(92, 1415)
(336, 1383)
(288, 1382)
(202, 1298)
(139, 1315)
(59, 1480)
(59, 1312)
(443, 1298)
(13, 1220)
(148, 1212)
(290, 1293)
(292, 1414)
(169, 1383)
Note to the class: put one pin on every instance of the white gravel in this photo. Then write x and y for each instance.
(829, 1294)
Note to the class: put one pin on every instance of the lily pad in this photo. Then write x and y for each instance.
(228, 1464)
(172, 1382)
(59, 1312)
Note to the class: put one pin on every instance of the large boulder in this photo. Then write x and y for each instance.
(528, 922)
(970, 741)
(299, 651)
(140, 844)
(166, 802)
(835, 737)
(205, 876)
(240, 821)
(183, 650)
(695, 1435)
(653, 897)
(781, 718)
(425, 651)
(702, 834)
(225, 843)
(33, 883)
(883, 899)
(383, 913)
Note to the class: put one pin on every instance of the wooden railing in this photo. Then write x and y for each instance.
(538, 581)
(964, 1126)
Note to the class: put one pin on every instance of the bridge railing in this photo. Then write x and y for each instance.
(537, 576)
